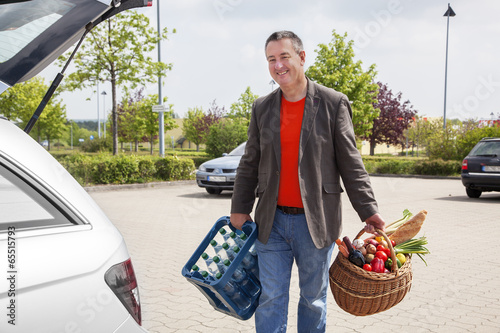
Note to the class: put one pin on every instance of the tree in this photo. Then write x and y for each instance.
(243, 107)
(192, 126)
(457, 139)
(226, 135)
(419, 132)
(130, 124)
(151, 119)
(138, 122)
(197, 125)
(395, 117)
(118, 51)
(20, 102)
(335, 68)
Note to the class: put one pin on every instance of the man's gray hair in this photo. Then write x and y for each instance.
(278, 35)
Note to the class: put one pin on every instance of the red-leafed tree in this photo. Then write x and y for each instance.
(394, 118)
(197, 123)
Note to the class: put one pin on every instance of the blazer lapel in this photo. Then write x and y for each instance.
(310, 110)
(274, 125)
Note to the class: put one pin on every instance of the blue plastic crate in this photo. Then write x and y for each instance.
(213, 290)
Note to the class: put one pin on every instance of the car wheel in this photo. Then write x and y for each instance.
(472, 193)
(213, 190)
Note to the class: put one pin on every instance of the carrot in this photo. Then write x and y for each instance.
(342, 248)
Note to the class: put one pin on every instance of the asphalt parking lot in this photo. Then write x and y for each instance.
(459, 290)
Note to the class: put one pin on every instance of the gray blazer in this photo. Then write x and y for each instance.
(327, 151)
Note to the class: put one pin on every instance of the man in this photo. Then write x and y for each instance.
(300, 141)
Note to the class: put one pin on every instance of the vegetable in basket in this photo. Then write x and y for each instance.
(413, 246)
(355, 256)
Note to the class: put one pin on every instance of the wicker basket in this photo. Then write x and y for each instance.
(363, 293)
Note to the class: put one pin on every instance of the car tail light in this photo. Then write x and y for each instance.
(121, 279)
(464, 164)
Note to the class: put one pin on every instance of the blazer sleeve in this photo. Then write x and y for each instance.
(352, 170)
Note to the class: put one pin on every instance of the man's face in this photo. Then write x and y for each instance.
(285, 65)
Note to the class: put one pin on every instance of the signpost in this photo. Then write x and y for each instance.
(160, 109)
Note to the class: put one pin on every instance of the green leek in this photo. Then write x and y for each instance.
(411, 246)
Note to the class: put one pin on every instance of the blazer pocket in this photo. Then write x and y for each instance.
(333, 188)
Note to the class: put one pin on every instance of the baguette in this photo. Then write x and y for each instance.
(409, 229)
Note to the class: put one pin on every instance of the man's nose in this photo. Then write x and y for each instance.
(278, 65)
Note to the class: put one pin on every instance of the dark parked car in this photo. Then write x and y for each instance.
(219, 174)
(481, 168)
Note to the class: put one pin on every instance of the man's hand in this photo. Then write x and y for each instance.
(237, 219)
(374, 221)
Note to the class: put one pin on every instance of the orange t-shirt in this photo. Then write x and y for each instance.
(291, 114)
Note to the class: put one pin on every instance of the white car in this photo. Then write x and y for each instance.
(64, 267)
(220, 173)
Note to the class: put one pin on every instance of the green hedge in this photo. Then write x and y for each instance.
(412, 166)
(127, 169)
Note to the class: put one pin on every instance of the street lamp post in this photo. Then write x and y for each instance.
(448, 13)
(160, 98)
(272, 83)
(98, 116)
(104, 110)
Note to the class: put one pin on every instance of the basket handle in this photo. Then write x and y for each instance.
(394, 267)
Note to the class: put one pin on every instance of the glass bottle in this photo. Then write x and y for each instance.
(246, 283)
(235, 294)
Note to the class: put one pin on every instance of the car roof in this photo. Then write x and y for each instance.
(490, 139)
(34, 33)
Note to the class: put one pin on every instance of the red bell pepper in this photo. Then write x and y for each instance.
(377, 265)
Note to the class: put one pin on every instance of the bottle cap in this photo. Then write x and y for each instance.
(243, 236)
(227, 262)
(225, 246)
(232, 234)
(222, 231)
(204, 256)
(204, 274)
(236, 249)
(195, 268)
(216, 259)
(218, 275)
(213, 242)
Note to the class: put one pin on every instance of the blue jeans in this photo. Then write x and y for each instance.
(289, 240)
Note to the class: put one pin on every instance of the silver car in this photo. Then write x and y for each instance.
(218, 174)
(64, 266)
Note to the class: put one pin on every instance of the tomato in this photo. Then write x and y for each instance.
(367, 267)
(384, 249)
(381, 255)
(393, 243)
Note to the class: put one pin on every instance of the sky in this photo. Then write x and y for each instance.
(218, 51)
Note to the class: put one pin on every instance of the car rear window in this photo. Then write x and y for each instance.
(486, 148)
(24, 207)
(24, 21)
